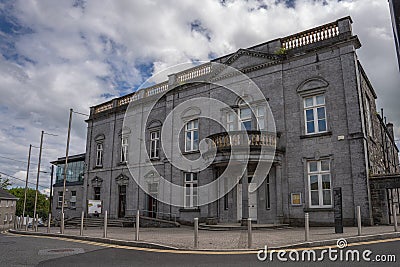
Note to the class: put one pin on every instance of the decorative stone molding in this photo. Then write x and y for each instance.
(312, 86)
(122, 179)
(97, 181)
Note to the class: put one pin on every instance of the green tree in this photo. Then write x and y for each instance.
(43, 202)
(4, 182)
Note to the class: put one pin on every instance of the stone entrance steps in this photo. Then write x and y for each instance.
(121, 222)
(238, 226)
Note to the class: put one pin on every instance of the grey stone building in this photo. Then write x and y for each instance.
(328, 135)
(8, 206)
(74, 193)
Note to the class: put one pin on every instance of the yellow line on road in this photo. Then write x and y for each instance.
(202, 252)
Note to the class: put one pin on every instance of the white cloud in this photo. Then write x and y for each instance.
(78, 55)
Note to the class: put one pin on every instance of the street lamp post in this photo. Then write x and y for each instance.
(65, 171)
(26, 182)
(37, 182)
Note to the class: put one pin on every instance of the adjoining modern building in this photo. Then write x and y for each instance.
(395, 14)
(8, 206)
(74, 195)
(329, 135)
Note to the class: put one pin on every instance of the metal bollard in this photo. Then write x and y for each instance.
(359, 220)
(196, 232)
(27, 222)
(249, 233)
(105, 224)
(21, 222)
(37, 222)
(137, 225)
(82, 216)
(395, 218)
(307, 226)
(49, 223)
(62, 223)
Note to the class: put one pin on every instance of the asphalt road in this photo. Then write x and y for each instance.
(31, 251)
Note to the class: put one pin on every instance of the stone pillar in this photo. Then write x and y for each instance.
(245, 197)
(278, 190)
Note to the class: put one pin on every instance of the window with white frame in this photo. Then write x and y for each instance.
(245, 118)
(319, 183)
(190, 194)
(192, 135)
(72, 201)
(315, 114)
(368, 116)
(154, 144)
(60, 198)
(260, 117)
(124, 149)
(230, 121)
(99, 154)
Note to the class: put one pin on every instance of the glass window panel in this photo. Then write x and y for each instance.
(188, 141)
(321, 125)
(261, 124)
(325, 165)
(327, 197)
(326, 181)
(188, 177)
(321, 113)
(247, 125)
(313, 166)
(194, 201)
(320, 99)
(309, 115)
(308, 102)
(188, 201)
(260, 111)
(196, 140)
(194, 176)
(245, 113)
(310, 127)
(314, 198)
(314, 182)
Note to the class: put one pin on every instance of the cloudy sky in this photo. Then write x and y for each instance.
(56, 55)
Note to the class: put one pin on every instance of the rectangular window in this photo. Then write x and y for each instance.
(230, 121)
(190, 194)
(368, 116)
(72, 201)
(192, 136)
(154, 144)
(226, 202)
(267, 194)
(99, 155)
(245, 118)
(124, 149)
(319, 183)
(260, 116)
(315, 114)
(96, 193)
(60, 197)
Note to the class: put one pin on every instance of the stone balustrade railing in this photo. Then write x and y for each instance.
(238, 138)
(156, 89)
(194, 72)
(321, 33)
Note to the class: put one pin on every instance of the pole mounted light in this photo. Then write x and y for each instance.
(71, 111)
(38, 172)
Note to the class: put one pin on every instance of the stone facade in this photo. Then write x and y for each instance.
(290, 71)
(8, 206)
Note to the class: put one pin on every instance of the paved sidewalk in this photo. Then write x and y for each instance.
(235, 239)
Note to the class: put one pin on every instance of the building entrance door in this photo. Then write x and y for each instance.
(252, 202)
(152, 207)
(122, 201)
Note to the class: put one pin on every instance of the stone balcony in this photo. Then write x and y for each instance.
(260, 144)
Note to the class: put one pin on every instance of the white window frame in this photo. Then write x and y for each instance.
(260, 118)
(191, 129)
(99, 154)
(191, 182)
(59, 199)
(230, 121)
(124, 149)
(368, 115)
(155, 144)
(244, 119)
(314, 107)
(319, 173)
